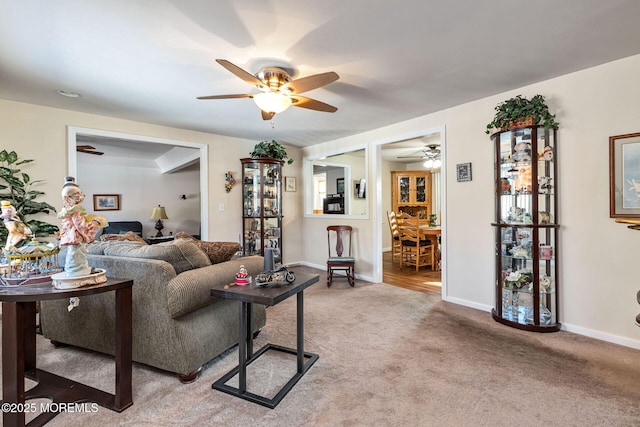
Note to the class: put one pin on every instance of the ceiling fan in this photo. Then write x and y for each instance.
(279, 91)
(429, 152)
(88, 149)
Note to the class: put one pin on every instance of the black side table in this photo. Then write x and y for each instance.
(270, 295)
(19, 352)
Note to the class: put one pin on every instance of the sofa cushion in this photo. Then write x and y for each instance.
(129, 235)
(96, 248)
(216, 251)
(182, 254)
(191, 290)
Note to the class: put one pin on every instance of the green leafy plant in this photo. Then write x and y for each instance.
(16, 187)
(518, 108)
(270, 149)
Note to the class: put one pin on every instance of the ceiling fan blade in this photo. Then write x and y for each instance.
(412, 157)
(97, 153)
(244, 75)
(85, 147)
(267, 116)
(312, 104)
(305, 84)
(239, 95)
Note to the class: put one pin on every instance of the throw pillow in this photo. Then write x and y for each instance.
(216, 251)
(129, 235)
(182, 254)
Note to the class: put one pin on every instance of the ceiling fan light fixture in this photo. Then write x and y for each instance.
(432, 163)
(272, 102)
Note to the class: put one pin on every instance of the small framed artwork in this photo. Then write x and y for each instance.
(106, 202)
(624, 176)
(289, 183)
(463, 172)
(340, 185)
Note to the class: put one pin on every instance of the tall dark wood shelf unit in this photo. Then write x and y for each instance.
(526, 228)
(262, 206)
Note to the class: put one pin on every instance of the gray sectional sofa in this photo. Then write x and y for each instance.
(177, 325)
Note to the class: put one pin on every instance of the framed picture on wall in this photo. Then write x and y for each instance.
(624, 176)
(106, 202)
(289, 183)
(340, 185)
(463, 172)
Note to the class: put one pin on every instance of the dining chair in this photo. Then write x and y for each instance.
(416, 249)
(396, 245)
(340, 259)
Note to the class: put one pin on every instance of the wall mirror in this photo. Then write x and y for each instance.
(336, 184)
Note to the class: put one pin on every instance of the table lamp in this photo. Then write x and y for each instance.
(158, 214)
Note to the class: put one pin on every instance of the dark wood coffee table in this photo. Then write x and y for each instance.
(19, 352)
(270, 295)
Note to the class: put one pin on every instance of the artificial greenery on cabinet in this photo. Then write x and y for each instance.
(270, 149)
(514, 111)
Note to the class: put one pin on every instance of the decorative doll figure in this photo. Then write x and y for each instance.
(76, 230)
(242, 276)
(18, 231)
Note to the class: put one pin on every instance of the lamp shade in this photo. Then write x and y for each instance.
(159, 213)
(272, 102)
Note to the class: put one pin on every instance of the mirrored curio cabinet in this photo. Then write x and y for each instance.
(526, 229)
(262, 206)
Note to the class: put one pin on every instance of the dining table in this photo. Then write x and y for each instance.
(433, 232)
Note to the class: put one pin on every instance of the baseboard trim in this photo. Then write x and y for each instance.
(603, 336)
(324, 267)
(467, 303)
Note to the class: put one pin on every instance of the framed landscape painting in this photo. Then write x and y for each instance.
(106, 202)
(624, 176)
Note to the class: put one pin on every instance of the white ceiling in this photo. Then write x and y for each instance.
(148, 60)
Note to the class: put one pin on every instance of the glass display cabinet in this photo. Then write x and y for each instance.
(262, 206)
(526, 229)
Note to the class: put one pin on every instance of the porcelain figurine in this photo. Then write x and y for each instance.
(547, 153)
(242, 276)
(545, 283)
(522, 152)
(77, 229)
(545, 217)
(18, 230)
(544, 185)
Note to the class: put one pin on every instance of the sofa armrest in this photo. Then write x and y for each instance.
(191, 290)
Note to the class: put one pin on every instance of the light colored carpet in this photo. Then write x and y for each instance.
(388, 357)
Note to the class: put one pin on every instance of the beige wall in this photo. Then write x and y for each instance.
(141, 189)
(40, 133)
(598, 278)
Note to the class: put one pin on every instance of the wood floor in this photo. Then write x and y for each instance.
(425, 280)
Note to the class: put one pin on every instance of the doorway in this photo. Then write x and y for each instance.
(189, 154)
(415, 151)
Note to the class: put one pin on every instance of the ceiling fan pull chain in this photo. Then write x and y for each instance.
(273, 125)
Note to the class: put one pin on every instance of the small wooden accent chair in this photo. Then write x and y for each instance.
(336, 237)
(416, 249)
(396, 246)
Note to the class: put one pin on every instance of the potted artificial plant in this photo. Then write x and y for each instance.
(15, 186)
(270, 149)
(520, 111)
